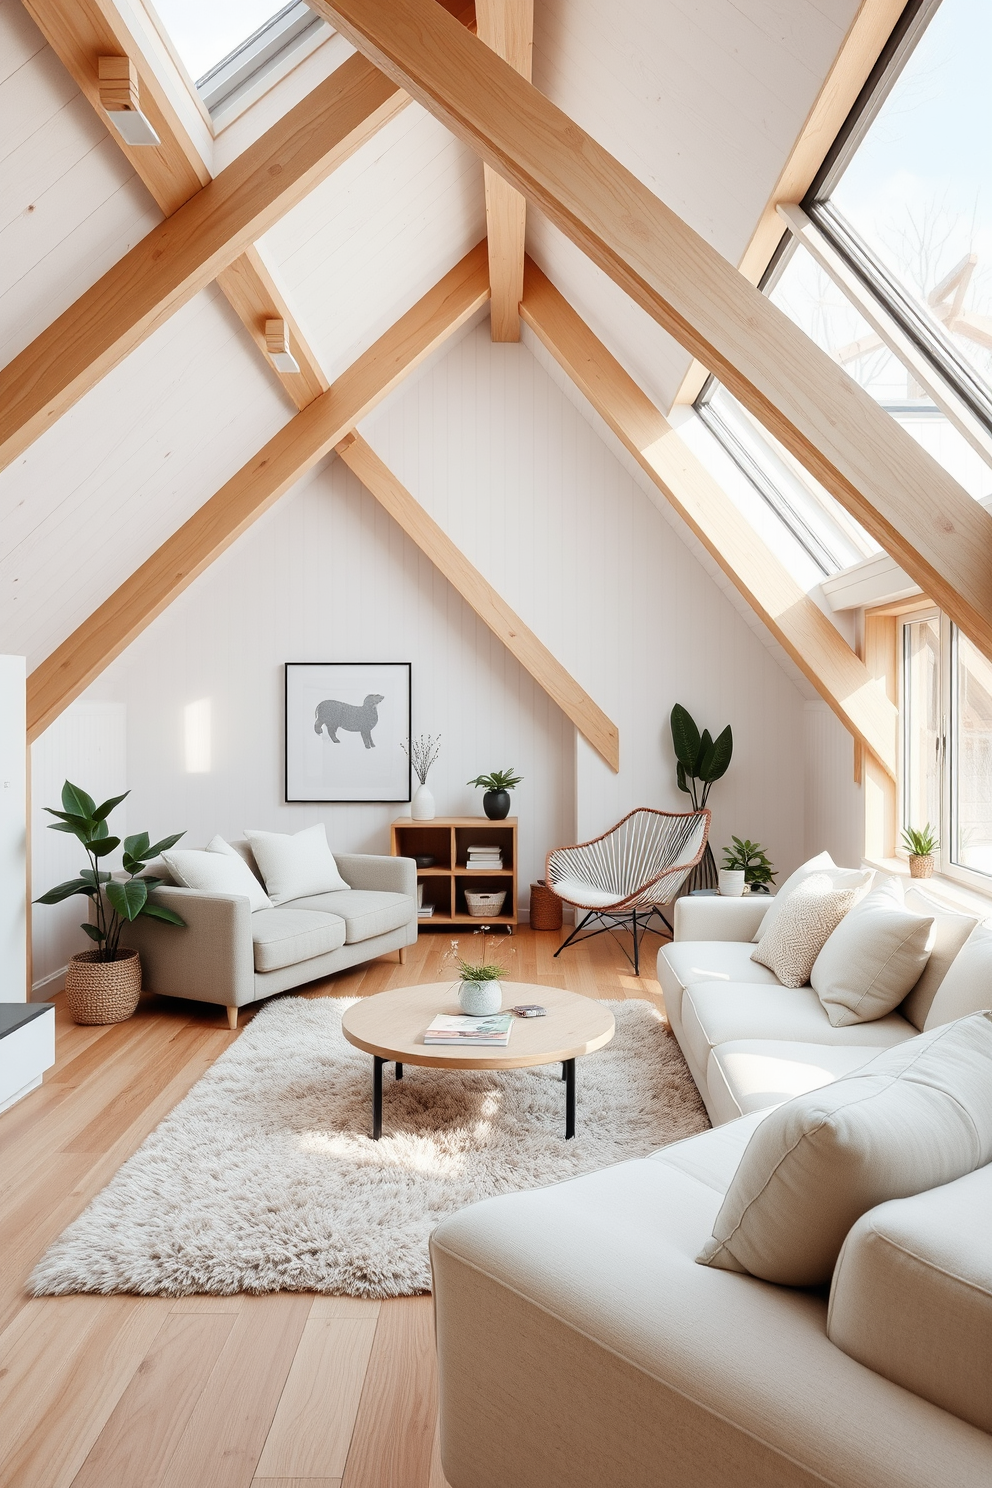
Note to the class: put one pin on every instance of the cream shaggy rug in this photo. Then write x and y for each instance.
(265, 1179)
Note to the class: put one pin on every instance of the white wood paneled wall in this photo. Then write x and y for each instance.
(88, 746)
(13, 832)
(835, 806)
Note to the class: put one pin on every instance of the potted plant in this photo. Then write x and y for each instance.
(921, 846)
(479, 989)
(103, 985)
(700, 760)
(746, 864)
(497, 786)
(422, 754)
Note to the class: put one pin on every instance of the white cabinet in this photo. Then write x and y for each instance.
(13, 831)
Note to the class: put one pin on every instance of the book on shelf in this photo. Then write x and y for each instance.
(425, 911)
(459, 1028)
(471, 867)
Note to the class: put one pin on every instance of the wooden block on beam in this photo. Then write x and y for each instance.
(118, 83)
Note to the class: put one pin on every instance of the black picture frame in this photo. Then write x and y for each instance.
(344, 725)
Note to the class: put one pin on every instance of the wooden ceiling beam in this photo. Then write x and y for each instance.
(798, 624)
(297, 447)
(860, 50)
(505, 624)
(507, 27)
(252, 292)
(901, 495)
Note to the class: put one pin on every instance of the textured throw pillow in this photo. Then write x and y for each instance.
(873, 958)
(917, 1116)
(823, 863)
(950, 931)
(296, 865)
(800, 929)
(214, 873)
(967, 984)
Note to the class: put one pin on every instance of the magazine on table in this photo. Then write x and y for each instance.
(459, 1028)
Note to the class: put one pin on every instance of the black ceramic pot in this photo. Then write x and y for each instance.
(496, 804)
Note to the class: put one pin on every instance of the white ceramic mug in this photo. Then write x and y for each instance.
(731, 882)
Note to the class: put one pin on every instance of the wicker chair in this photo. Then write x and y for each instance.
(624, 877)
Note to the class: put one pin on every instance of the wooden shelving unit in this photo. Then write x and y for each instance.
(447, 839)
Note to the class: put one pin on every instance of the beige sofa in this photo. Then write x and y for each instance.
(580, 1344)
(228, 955)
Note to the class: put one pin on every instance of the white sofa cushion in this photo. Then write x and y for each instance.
(294, 865)
(754, 1074)
(794, 938)
(873, 959)
(912, 1295)
(718, 1012)
(950, 931)
(967, 984)
(915, 1117)
(683, 963)
(576, 1313)
(823, 865)
(286, 936)
(216, 872)
(366, 912)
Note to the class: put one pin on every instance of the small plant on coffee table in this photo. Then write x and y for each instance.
(750, 858)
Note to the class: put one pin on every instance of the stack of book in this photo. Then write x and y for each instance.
(456, 1028)
(424, 911)
(484, 858)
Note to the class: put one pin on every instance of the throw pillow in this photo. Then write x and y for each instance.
(295, 865)
(967, 986)
(950, 931)
(801, 927)
(873, 958)
(823, 863)
(214, 873)
(917, 1116)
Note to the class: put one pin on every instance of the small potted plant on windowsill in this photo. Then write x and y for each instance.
(103, 985)
(746, 869)
(497, 786)
(921, 844)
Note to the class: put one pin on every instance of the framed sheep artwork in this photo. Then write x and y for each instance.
(348, 731)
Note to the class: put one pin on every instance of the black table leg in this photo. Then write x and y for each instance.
(563, 1070)
(399, 1070)
(569, 1068)
(377, 1064)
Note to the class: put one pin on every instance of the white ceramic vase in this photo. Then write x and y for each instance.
(732, 882)
(479, 999)
(422, 805)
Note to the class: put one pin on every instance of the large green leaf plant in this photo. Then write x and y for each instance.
(115, 902)
(700, 759)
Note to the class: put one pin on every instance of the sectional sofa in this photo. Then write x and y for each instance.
(580, 1343)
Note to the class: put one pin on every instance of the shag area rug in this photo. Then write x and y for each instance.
(265, 1178)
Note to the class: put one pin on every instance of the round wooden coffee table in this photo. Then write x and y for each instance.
(391, 1027)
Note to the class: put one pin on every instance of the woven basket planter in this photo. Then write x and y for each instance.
(545, 908)
(103, 991)
(921, 865)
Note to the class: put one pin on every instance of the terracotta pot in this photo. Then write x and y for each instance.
(103, 991)
(921, 865)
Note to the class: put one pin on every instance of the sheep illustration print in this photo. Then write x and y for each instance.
(347, 730)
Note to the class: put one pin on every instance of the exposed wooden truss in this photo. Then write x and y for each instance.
(792, 617)
(507, 26)
(869, 31)
(487, 603)
(904, 498)
(297, 447)
(253, 293)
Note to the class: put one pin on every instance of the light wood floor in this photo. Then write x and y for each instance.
(288, 1390)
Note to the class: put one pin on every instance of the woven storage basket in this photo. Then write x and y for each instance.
(481, 905)
(545, 908)
(103, 991)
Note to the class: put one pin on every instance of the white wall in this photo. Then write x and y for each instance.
(13, 832)
(524, 482)
(835, 809)
(88, 746)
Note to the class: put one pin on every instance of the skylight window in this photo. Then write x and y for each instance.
(205, 32)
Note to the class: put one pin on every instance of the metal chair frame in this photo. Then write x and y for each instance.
(634, 908)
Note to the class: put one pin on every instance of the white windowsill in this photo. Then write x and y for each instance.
(947, 890)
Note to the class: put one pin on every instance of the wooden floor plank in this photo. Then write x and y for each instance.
(394, 1432)
(142, 1434)
(107, 1127)
(296, 1483)
(313, 1425)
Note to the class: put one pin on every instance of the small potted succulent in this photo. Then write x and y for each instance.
(103, 985)
(746, 868)
(422, 754)
(921, 846)
(479, 989)
(497, 786)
